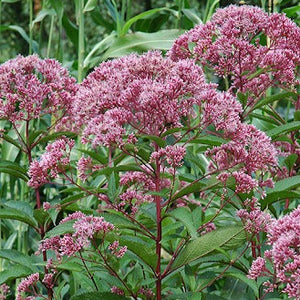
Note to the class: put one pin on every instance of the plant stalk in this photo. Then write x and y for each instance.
(159, 228)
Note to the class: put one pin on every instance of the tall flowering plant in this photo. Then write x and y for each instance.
(163, 194)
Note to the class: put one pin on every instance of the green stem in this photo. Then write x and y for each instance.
(30, 25)
(50, 36)
(80, 40)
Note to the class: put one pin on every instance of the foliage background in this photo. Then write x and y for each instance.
(81, 35)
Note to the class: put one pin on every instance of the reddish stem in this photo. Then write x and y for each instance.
(159, 229)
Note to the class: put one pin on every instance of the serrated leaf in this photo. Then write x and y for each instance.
(277, 131)
(184, 215)
(191, 188)
(274, 98)
(232, 236)
(97, 295)
(251, 283)
(14, 214)
(17, 271)
(277, 196)
(19, 258)
(290, 161)
(112, 187)
(101, 158)
(11, 141)
(137, 246)
(286, 184)
(61, 229)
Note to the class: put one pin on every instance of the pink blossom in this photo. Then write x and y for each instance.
(244, 182)
(84, 229)
(117, 291)
(26, 285)
(48, 280)
(208, 228)
(31, 87)
(174, 155)
(4, 290)
(116, 250)
(147, 94)
(229, 44)
(283, 237)
(52, 162)
(258, 268)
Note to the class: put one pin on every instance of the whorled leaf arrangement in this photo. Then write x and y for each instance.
(167, 160)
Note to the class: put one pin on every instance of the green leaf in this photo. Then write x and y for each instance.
(17, 271)
(14, 214)
(229, 237)
(14, 169)
(184, 215)
(297, 115)
(142, 41)
(71, 30)
(10, 1)
(274, 98)
(61, 229)
(142, 15)
(286, 184)
(277, 196)
(57, 135)
(23, 34)
(19, 258)
(277, 131)
(138, 246)
(90, 5)
(119, 220)
(112, 187)
(192, 15)
(290, 161)
(191, 188)
(42, 14)
(12, 141)
(251, 283)
(94, 56)
(291, 11)
(159, 141)
(97, 295)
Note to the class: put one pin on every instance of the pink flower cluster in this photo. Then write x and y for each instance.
(254, 49)
(251, 150)
(116, 250)
(31, 87)
(254, 220)
(4, 290)
(173, 155)
(146, 94)
(27, 285)
(54, 161)
(284, 238)
(85, 228)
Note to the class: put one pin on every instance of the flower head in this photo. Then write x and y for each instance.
(31, 87)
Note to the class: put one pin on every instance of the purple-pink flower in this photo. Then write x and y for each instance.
(31, 87)
(283, 235)
(27, 285)
(54, 161)
(252, 49)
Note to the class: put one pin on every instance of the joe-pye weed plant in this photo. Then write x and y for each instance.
(171, 186)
